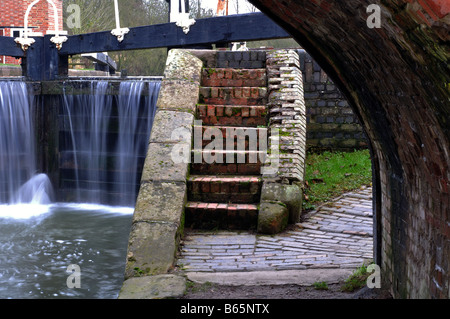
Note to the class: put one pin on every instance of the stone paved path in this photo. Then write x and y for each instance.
(337, 235)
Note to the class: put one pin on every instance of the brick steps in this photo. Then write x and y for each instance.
(221, 215)
(236, 115)
(223, 77)
(224, 188)
(233, 95)
(211, 162)
(213, 188)
(237, 135)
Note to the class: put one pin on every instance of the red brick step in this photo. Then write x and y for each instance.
(220, 215)
(234, 115)
(233, 95)
(212, 162)
(225, 77)
(224, 189)
(240, 136)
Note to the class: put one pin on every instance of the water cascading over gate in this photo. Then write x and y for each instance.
(103, 141)
(19, 180)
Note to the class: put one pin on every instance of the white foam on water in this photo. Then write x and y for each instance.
(32, 210)
(23, 211)
(96, 208)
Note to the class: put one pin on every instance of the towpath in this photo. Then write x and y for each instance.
(336, 239)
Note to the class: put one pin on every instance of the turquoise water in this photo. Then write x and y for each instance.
(39, 242)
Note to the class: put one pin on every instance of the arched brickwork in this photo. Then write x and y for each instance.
(397, 80)
(41, 19)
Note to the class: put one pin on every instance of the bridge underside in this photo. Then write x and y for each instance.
(397, 79)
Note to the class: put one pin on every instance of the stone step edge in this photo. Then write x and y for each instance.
(224, 178)
(230, 127)
(205, 111)
(232, 105)
(237, 69)
(232, 131)
(224, 206)
(258, 154)
(222, 88)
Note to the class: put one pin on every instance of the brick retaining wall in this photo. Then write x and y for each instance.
(331, 123)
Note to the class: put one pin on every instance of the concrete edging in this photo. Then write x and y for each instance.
(301, 277)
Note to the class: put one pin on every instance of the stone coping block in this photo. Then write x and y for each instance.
(160, 201)
(272, 217)
(172, 126)
(183, 65)
(181, 95)
(302, 277)
(289, 194)
(153, 287)
(180, 86)
(160, 164)
(151, 248)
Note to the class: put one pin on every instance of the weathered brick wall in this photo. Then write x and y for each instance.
(331, 123)
(396, 79)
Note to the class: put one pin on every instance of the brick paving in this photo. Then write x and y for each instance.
(337, 235)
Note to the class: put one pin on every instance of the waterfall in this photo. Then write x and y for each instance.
(102, 143)
(19, 182)
(107, 141)
(87, 118)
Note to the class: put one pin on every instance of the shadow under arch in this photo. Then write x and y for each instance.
(395, 78)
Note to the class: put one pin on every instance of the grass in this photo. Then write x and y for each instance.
(322, 285)
(196, 287)
(330, 174)
(357, 280)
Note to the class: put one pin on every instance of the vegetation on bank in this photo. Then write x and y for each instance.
(330, 174)
(357, 280)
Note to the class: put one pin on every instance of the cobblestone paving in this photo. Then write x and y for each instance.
(337, 235)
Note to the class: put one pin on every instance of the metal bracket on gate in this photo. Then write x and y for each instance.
(179, 13)
(118, 31)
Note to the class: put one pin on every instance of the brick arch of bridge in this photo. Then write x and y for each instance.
(397, 79)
